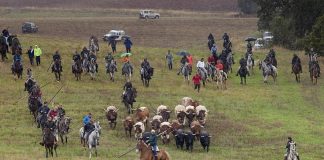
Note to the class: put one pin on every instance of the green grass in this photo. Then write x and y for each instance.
(246, 122)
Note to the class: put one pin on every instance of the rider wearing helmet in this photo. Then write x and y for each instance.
(93, 56)
(242, 65)
(296, 61)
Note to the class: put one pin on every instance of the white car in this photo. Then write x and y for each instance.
(258, 43)
(146, 14)
(267, 36)
(118, 35)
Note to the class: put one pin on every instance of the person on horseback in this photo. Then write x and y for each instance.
(243, 64)
(296, 61)
(313, 60)
(16, 59)
(226, 43)
(50, 124)
(210, 36)
(86, 119)
(56, 59)
(145, 65)
(88, 128)
(211, 60)
(109, 58)
(225, 37)
(84, 53)
(249, 53)
(93, 56)
(201, 66)
(5, 32)
(53, 113)
(249, 47)
(76, 57)
(290, 144)
(153, 143)
(183, 61)
(196, 80)
(169, 59)
(219, 66)
(60, 111)
(268, 61)
(127, 87)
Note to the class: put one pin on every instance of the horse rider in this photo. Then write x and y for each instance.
(243, 63)
(226, 43)
(60, 111)
(249, 53)
(93, 56)
(211, 60)
(53, 113)
(210, 37)
(201, 66)
(219, 66)
(153, 143)
(268, 61)
(249, 46)
(126, 61)
(183, 61)
(110, 58)
(57, 58)
(84, 53)
(127, 87)
(169, 59)
(16, 59)
(296, 61)
(313, 60)
(88, 128)
(50, 124)
(76, 57)
(145, 65)
(291, 145)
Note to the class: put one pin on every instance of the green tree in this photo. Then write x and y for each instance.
(247, 6)
(316, 38)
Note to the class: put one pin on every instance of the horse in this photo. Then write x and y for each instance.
(93, 140)
(49, 142)
(243, 72)
(111, 68)
(93, 44)
(147, 154)
(92, 68)
(63, 128)
(229, 62)
(127, 71)
(57, 70)
(85, 63)
(15, 46)
(186, 72)
(203, 76)
(3, 48)
(211, 69)
(146, 75)
(292, 154)
(249, 63)
(314, 72)
(267, 71)
(17, 69)
(220, 79)
(33, 105)
(77, 70)
(81, 132)
(296, 70)
(128, 99)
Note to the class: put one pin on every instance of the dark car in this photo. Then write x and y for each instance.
(29, 27)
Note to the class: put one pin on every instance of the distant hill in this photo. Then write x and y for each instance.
(193, 5)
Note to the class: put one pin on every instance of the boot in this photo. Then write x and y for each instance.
(298, 158)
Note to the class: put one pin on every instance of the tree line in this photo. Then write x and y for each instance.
(295, 24)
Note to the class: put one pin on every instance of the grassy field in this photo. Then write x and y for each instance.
(249, 122)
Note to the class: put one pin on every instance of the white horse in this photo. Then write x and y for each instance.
(93, 139)
(92, 68)
(292, 154)
(249, 63)
(221, 79)
(268, 71)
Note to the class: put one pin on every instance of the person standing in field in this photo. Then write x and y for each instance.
(128, 45)
(113, 44)
(37, 53)
(169, 59)
(30, 53)
(196, 80)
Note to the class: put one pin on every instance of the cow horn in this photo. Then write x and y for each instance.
(168, 111)
(185, 134)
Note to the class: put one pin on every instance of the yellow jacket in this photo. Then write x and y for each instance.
(37, 51)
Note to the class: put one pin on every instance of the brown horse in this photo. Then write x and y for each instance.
(314, 73)
(49, 142)
(147, 154)
(297, 70)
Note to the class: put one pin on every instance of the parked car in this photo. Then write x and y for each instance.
(259, 43)
(267, 36)
(146, 14)
(118, 35)
(29, 27)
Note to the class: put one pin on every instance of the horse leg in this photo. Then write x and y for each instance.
(61, 136)
(245, 80)
(241, 80)
(46, 152)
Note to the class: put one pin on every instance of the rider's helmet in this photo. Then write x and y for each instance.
(153, 131)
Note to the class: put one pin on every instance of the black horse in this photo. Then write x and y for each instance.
(33, 105)
(210, 43)
(49, 142)
(129, 98)
(243, 72)
(17, 69)
(146, 75)
(56, 68)
(3, 48)
(77, 70)
(28, 85)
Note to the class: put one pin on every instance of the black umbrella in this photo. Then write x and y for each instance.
(250, 39)
(182, 53)
(126, 37)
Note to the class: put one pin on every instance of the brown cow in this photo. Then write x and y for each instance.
(196, 128)
(175, 125)
(142, 114)
(111, 115)
(187, 101)
(128, 125)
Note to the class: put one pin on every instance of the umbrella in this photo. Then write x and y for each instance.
(124, 54)
(126, 37)
(250, 39)
(112, 38)
(183, 53)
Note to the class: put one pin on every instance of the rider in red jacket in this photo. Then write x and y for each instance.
(196, 80)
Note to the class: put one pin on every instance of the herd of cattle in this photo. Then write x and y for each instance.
(188, 113)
